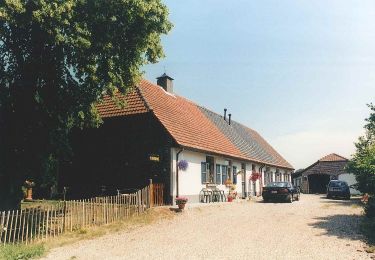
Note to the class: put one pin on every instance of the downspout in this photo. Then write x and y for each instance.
(178, 153)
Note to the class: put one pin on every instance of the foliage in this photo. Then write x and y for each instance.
(183, 165)
(254, 176)
(21, 252)
(368, 229)
(29, 184)
(362, 163)
(370, 208)
(57, 59)
(228, 182)
(181, 200)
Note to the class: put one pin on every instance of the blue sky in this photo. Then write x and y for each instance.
(299, 72)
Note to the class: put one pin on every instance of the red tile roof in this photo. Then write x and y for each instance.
(332, 158)
(187, 124)
(134, 104)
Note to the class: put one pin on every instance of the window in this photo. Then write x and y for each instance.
(277, 184)
(278, 176)
(234, 175)
(218, 174)
(203, 172)
(224, 173)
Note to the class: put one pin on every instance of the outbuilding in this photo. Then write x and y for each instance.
(315, 178)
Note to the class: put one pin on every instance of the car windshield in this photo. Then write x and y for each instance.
(277, 184)
(337, 184)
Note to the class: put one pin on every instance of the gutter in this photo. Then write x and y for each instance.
(177, 155)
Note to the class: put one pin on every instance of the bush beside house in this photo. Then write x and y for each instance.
(362, 165)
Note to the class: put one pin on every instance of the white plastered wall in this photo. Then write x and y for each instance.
(190, 179)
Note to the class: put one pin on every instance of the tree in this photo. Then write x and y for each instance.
(363, 162)
(57, 59)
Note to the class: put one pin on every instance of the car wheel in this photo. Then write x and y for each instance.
(297, 198)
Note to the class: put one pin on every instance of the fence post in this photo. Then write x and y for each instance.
(151, 194)
(2, 225)
(64, 216)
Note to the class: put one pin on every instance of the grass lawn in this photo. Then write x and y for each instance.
(20, 252)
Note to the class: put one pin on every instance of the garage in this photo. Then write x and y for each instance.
(314, 179)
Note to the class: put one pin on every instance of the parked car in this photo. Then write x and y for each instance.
(338, 189)
(280, 191)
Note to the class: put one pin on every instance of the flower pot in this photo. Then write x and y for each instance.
(230, 199)
(29, 194)
(181, 206)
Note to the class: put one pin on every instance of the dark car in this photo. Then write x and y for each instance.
(280, 191)
(338, 189)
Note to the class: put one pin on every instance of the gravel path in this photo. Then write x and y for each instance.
(313, 228)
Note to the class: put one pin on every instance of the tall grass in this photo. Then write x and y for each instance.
(21, 252)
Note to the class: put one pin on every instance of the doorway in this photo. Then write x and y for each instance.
(318, 183)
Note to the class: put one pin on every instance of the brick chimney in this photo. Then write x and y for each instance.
(165, 82)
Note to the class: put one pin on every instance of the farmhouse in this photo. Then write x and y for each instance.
(161, 136)
(315, 178)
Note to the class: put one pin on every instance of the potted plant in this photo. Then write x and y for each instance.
(183, 165)
(255, 176)
(228, 183)
(232, 193)
(29, 190)
(180, 202)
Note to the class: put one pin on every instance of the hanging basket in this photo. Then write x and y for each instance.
(255, 176)
(183, 165)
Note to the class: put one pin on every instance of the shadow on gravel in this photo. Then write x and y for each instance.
(341, 226)
(356, 201)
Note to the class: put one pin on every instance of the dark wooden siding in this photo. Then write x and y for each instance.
(117, 155)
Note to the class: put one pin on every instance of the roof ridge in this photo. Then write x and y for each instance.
(280, 160)
(141, 94)
(332, 154)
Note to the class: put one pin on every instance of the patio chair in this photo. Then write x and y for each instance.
(205, 195)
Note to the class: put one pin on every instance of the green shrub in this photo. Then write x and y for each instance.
(21, 252)
(368, 229)
(370, 208)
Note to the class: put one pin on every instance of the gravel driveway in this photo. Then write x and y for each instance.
(312, 228)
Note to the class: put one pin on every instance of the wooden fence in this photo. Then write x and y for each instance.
(49, 221)
(157, 194)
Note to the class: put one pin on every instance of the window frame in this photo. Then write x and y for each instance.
(224, 169)
(234, 172)
(218, 174)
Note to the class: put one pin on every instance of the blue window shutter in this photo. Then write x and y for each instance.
(218, 174)
(224, 173)
(203, 172)
(234, 175)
